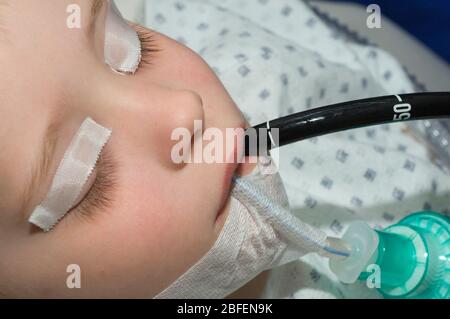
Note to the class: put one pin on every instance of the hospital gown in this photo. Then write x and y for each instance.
(276, 57)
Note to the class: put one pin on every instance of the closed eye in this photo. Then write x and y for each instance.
(148, 45)
(100, 196)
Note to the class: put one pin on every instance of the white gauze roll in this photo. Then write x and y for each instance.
(250, 242)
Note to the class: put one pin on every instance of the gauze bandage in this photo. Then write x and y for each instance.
(72, 174)
(122, 43)
(250, 242)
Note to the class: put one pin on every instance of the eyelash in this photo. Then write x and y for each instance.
(148, 46)
(100, 195)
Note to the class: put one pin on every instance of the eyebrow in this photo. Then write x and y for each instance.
(46, 159)
(96, 8)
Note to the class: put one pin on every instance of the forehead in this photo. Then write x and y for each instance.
(20, 127)
(38, 56)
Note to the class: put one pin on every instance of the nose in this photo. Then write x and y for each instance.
(148, 115)
(177, 125)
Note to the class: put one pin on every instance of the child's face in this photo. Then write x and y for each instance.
(149, 219)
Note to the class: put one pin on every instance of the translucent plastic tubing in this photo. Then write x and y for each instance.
(294, 229)
(412, 256)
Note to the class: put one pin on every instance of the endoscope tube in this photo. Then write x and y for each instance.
(348, 115)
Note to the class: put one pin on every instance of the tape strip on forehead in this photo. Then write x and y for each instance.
(72, 174)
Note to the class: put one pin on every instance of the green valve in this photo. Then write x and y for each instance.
(412, 256)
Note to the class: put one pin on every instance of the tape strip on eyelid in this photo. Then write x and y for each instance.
(122, 43)
(72, 174)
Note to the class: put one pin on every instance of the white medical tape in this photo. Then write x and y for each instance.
(72, 174)
(122, 43)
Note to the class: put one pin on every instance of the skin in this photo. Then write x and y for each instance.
(162, 216)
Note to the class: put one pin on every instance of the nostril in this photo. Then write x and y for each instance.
(185, 120)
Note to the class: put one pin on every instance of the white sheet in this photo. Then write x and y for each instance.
(429, 69)
(276, 57)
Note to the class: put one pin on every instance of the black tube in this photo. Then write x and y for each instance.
(349, 115)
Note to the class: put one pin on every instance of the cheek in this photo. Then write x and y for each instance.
(180, 67)
(150, 233)
(164, 213)
(137, 248)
